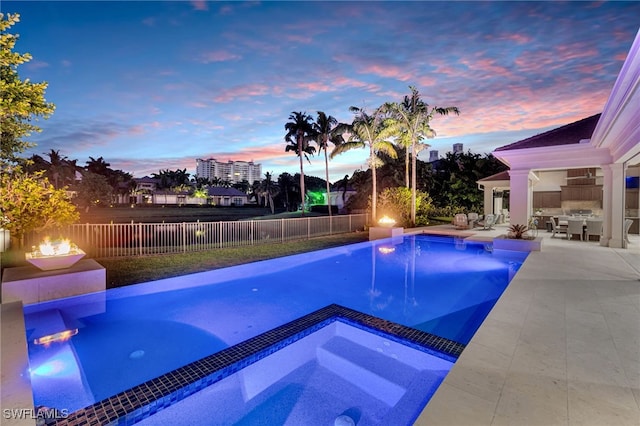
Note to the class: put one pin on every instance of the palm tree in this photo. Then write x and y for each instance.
(269, 189)
(411, 124)
(299, 134)
(98, 166)
(327, 129)
(286, 184)
(61, 170)
(372, 131)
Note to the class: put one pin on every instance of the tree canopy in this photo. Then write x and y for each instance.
(30, 203)
(21, 101)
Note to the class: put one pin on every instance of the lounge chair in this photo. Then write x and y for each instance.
(557, 229)
(460, 221)
(488, 221)
(594, 227)
(473, 219)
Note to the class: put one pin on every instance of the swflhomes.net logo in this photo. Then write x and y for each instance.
(42, 415)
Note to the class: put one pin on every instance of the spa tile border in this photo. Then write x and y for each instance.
(142, 401)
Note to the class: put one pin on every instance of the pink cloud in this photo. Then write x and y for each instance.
(243, 91)
(218, 56)
(537, 61)
(299, 38)
(575, 51)
(388, 71)
(314, 86)
(225, 10)
(255, 154)
(197, 104)
(488, 66)
(199, 5)
(591, 68)
(517, 38)
(621, 57)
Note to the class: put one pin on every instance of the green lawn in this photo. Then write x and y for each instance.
(122, 271)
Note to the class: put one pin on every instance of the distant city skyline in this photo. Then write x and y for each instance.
(151, 85)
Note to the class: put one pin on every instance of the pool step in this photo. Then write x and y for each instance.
(46, 323)
(379, 375)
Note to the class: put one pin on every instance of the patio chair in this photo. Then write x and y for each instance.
(594, 227)
(460, 221)
(473, 219)
(488, 222)
(557, 229)
(627, 226)
(575, 227)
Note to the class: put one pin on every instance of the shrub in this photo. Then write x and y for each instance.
(396, 203)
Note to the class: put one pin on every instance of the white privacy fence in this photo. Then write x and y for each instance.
(131, 239)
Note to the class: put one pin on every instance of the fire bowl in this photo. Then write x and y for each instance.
(50, 263)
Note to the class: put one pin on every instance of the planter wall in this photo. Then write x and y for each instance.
(504, 243)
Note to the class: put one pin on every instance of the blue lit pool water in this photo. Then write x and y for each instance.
(129, 335)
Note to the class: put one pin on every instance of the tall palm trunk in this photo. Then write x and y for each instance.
(326, 173)
(302, 191)
(374, 191)
(406, 167)
(413, 182)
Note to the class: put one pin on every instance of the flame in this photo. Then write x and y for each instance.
(386, 220)
(55, 248)
(62, 336)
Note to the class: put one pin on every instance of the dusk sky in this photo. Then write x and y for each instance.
(154, 85)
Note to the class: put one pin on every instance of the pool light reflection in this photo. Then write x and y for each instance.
(61, 336)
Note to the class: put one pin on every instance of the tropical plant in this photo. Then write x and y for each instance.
(328, 130)
(299, 134)
(369, 130)
(201, 193)
(518, 231)
(411, 123)
(30, 203)
(22, 102)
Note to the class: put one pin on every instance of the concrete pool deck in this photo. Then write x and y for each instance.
(561, 346)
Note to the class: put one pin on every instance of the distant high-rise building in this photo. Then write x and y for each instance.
(433, 155)
(457, 148)
(232, 171)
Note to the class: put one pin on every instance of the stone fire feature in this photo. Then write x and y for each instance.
(32, 285)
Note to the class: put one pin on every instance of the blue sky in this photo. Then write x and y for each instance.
(154, 85)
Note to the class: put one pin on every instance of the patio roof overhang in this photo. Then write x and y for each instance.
(618, 129)
(579, 155)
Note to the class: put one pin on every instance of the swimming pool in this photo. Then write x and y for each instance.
(124, 337)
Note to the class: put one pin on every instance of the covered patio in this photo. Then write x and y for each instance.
(603, 149)
(561, 346)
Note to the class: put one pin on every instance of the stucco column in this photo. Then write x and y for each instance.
(488, 200)
(613, 199)
(519, 197)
